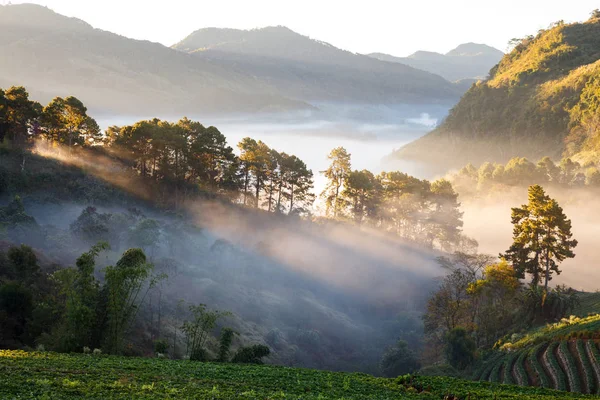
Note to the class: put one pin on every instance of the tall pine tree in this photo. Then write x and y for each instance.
(542, 237)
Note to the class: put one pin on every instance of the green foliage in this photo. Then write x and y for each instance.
(161, 346)
(127, 285)
(554, 368)
(542, 237)
(251, 354)
(542, 99)
(58, 376)
(535, 355)
(519, 368)
(225, 341)
(91, 225)
(399, 360)
(570, 367)
(80, 292)
(588, 370)
(198, 328)
(460, 348)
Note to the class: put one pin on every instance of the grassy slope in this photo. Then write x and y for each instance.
(59, 376)
(537, 102)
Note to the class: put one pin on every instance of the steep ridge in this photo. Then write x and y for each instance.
(541, 100)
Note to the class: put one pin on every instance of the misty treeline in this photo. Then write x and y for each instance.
(520, 172)
(185, 157)
(71, 310)
(418, 210)
(483, 298)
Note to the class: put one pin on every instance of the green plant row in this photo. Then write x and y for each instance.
(484, 371)
(496, 371)
(594, 357)
(45, 375)
(520, 371)
(570, 367)
(554, 367)
(534, 353)
(509, 361)
(589, 386)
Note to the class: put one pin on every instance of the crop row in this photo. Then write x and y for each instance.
(495, 374)
(66, 377)
(485, 370)
(519, 369)
(570, 367)
(594, 357)
(558, 376)
(587, 367)
(534, 356)
(509, 361)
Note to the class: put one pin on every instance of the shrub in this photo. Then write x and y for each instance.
(251, 354)
(97, 352)
(161, 346)
(86, 350)
(399, 360)
(460, 348)
(225, 344)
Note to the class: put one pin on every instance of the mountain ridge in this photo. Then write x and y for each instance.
(313, 70)
(466, 61)
(54, 55)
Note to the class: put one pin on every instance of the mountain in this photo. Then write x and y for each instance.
(314, 71)
(54, 55)
(543, 99)
(467, 61)
(212, 71)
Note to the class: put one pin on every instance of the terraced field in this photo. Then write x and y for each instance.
(569, 365)
(60, 376)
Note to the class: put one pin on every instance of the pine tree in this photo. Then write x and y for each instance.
(542, 237)
(337, 175)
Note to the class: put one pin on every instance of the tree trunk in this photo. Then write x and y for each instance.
(291, 199)
(245, 185)
(547, 270)
(270, 195)
(257, 189)
(279, 197)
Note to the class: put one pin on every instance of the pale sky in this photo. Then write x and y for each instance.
(397, 27)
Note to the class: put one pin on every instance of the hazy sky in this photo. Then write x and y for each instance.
(398, 27)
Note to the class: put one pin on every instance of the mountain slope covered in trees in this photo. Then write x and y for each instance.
(467, 61)
(312, 70)
(541, 100)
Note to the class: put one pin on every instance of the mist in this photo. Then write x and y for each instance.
(371, 133)
(488, 221)
(321, 295)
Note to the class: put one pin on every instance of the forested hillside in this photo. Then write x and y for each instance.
(541, 100)
(172, 204)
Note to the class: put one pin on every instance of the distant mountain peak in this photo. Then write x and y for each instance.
(37, 16)
(467, 61)
(474, 49)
